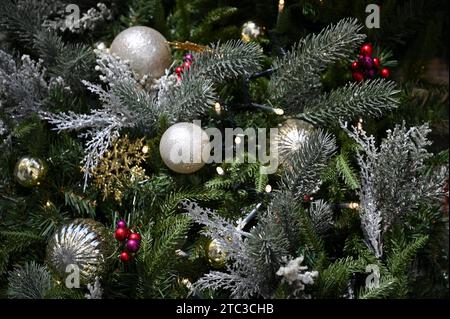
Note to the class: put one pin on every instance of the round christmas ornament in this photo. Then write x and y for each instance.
(216, 255)
(135, 236)
(121, 224)
(291, 137)
(358, 76)
(29, 171)
(133, 245)
(366, 49)
(385, 72)
(250, 31)
(121, 233)
(145, 49)
(184, 147)
(124, 256)
(84, 243)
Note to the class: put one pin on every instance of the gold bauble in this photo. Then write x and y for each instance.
(29, 171)
(216, 255)
(84, 243)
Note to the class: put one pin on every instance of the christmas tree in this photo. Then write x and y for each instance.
(223, 149)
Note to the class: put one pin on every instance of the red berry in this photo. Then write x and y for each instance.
(186, 65)
(355, 65)
(385, 72)
(121, 234)
(358, 76)
(179, 70)
(306, 198)
(135, 236)
(124, 256)
(376, 62)
(367, 49)
(188, 57)
(121, 224)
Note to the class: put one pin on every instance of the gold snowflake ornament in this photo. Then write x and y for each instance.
(120, 166)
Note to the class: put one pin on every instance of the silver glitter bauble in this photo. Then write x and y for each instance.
(84, 243)
(145, 49)
(250, 31)
(29, 171)
(184, 147)
(292, 135)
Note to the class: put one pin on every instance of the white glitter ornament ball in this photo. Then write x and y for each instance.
(145, 49)
(85, 244)
(184, 147)
(292, 135)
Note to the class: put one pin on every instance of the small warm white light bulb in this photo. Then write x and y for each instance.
(278, 111)
(353, 206)
(280, 5)
(237, 140)
(145, 149)
(220, 170)
(268, 188)
(217, 108)
(359, 125)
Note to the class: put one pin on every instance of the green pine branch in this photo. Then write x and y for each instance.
(386, 288)
(347, 172)
(367, 99)
(308, 164)
(208, 25)
(24, 18)
(296, 79)
(80, 205)
(13, 243)
(157, 259)
(333, 281)
(72, 62)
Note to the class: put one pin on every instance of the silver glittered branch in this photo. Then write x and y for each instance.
(23, 87)
(103, 127)
(121, 107)
(113, 70)
(76, 24)
(95, 290)
(394, 179)
(371, 215)
(252, 258)
(228, 236)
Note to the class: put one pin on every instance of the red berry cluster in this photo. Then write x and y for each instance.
(187, 61)
(367, 67)
(133, 240)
